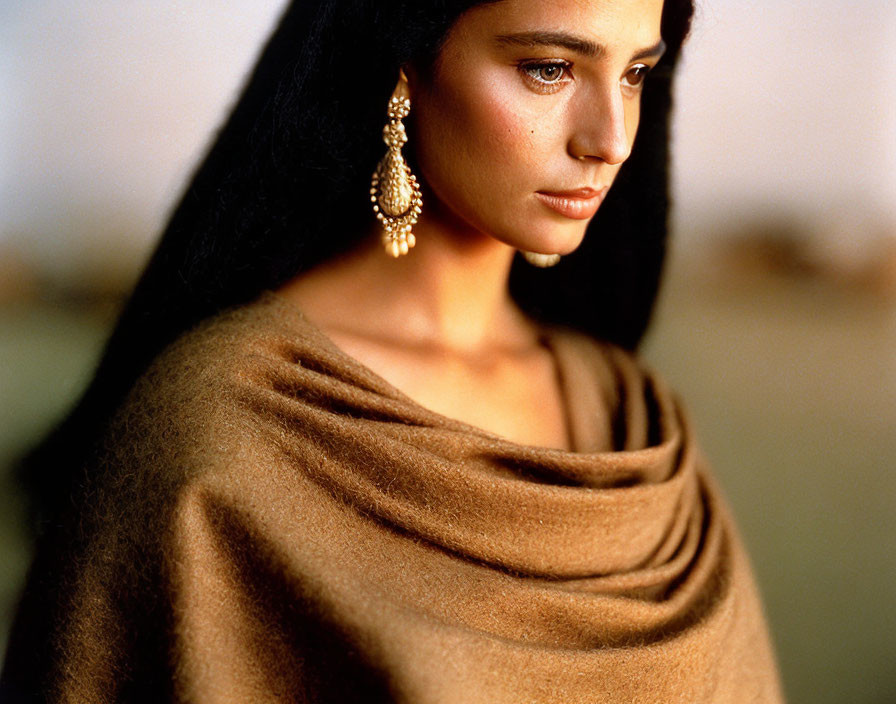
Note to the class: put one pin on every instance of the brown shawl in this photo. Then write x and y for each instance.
(276, 523)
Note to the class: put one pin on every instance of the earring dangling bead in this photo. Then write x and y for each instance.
(542, 261)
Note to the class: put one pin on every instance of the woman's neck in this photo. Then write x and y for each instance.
(450, 293)
(439, 325)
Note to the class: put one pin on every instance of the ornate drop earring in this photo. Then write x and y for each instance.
(543, 261)
(394, 190)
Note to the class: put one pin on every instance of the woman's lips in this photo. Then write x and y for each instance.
(580, 204)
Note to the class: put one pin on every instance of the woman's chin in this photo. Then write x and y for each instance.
(561, 243)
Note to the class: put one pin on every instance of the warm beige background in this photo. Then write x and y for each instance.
(778, 323)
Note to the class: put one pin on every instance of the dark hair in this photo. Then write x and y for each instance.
(296, 155)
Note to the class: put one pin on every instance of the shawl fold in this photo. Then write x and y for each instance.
(273, 522)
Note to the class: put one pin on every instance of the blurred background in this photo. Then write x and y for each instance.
(777, 323)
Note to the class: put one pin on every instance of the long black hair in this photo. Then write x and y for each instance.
(300, 146)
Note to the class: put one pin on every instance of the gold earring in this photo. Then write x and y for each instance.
(542, 261)
(394, 190)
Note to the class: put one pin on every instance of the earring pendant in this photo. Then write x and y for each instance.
(394, 191)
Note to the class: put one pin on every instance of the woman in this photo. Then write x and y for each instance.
(378, 476)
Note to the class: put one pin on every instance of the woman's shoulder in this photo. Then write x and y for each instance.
(222, 349)
(226, 340)
(191, 404)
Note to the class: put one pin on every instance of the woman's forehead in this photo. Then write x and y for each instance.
(585, 26)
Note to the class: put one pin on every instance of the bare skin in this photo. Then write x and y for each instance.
(496, 124)
(473, 357)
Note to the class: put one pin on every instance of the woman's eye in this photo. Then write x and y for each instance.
(636, 76)
(547, 74)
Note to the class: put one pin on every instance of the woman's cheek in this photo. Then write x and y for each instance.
(509, 138)
(504, 106)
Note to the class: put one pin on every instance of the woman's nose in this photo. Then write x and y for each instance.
(599, 128)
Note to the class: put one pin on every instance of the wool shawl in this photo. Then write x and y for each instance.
(270, 521)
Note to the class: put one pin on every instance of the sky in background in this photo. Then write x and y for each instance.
(105, 107)
(788, 107)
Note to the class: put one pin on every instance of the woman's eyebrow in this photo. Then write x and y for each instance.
(579, 45)
(655, 51)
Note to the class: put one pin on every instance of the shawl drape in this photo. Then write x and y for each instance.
(270, 521)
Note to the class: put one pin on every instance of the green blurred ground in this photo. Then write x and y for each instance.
(47, 353)
(792, 387)
(791, 383)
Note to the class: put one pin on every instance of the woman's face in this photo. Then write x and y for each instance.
(529, 112)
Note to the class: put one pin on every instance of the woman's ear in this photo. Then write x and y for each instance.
(420, 75)
(407, 74)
